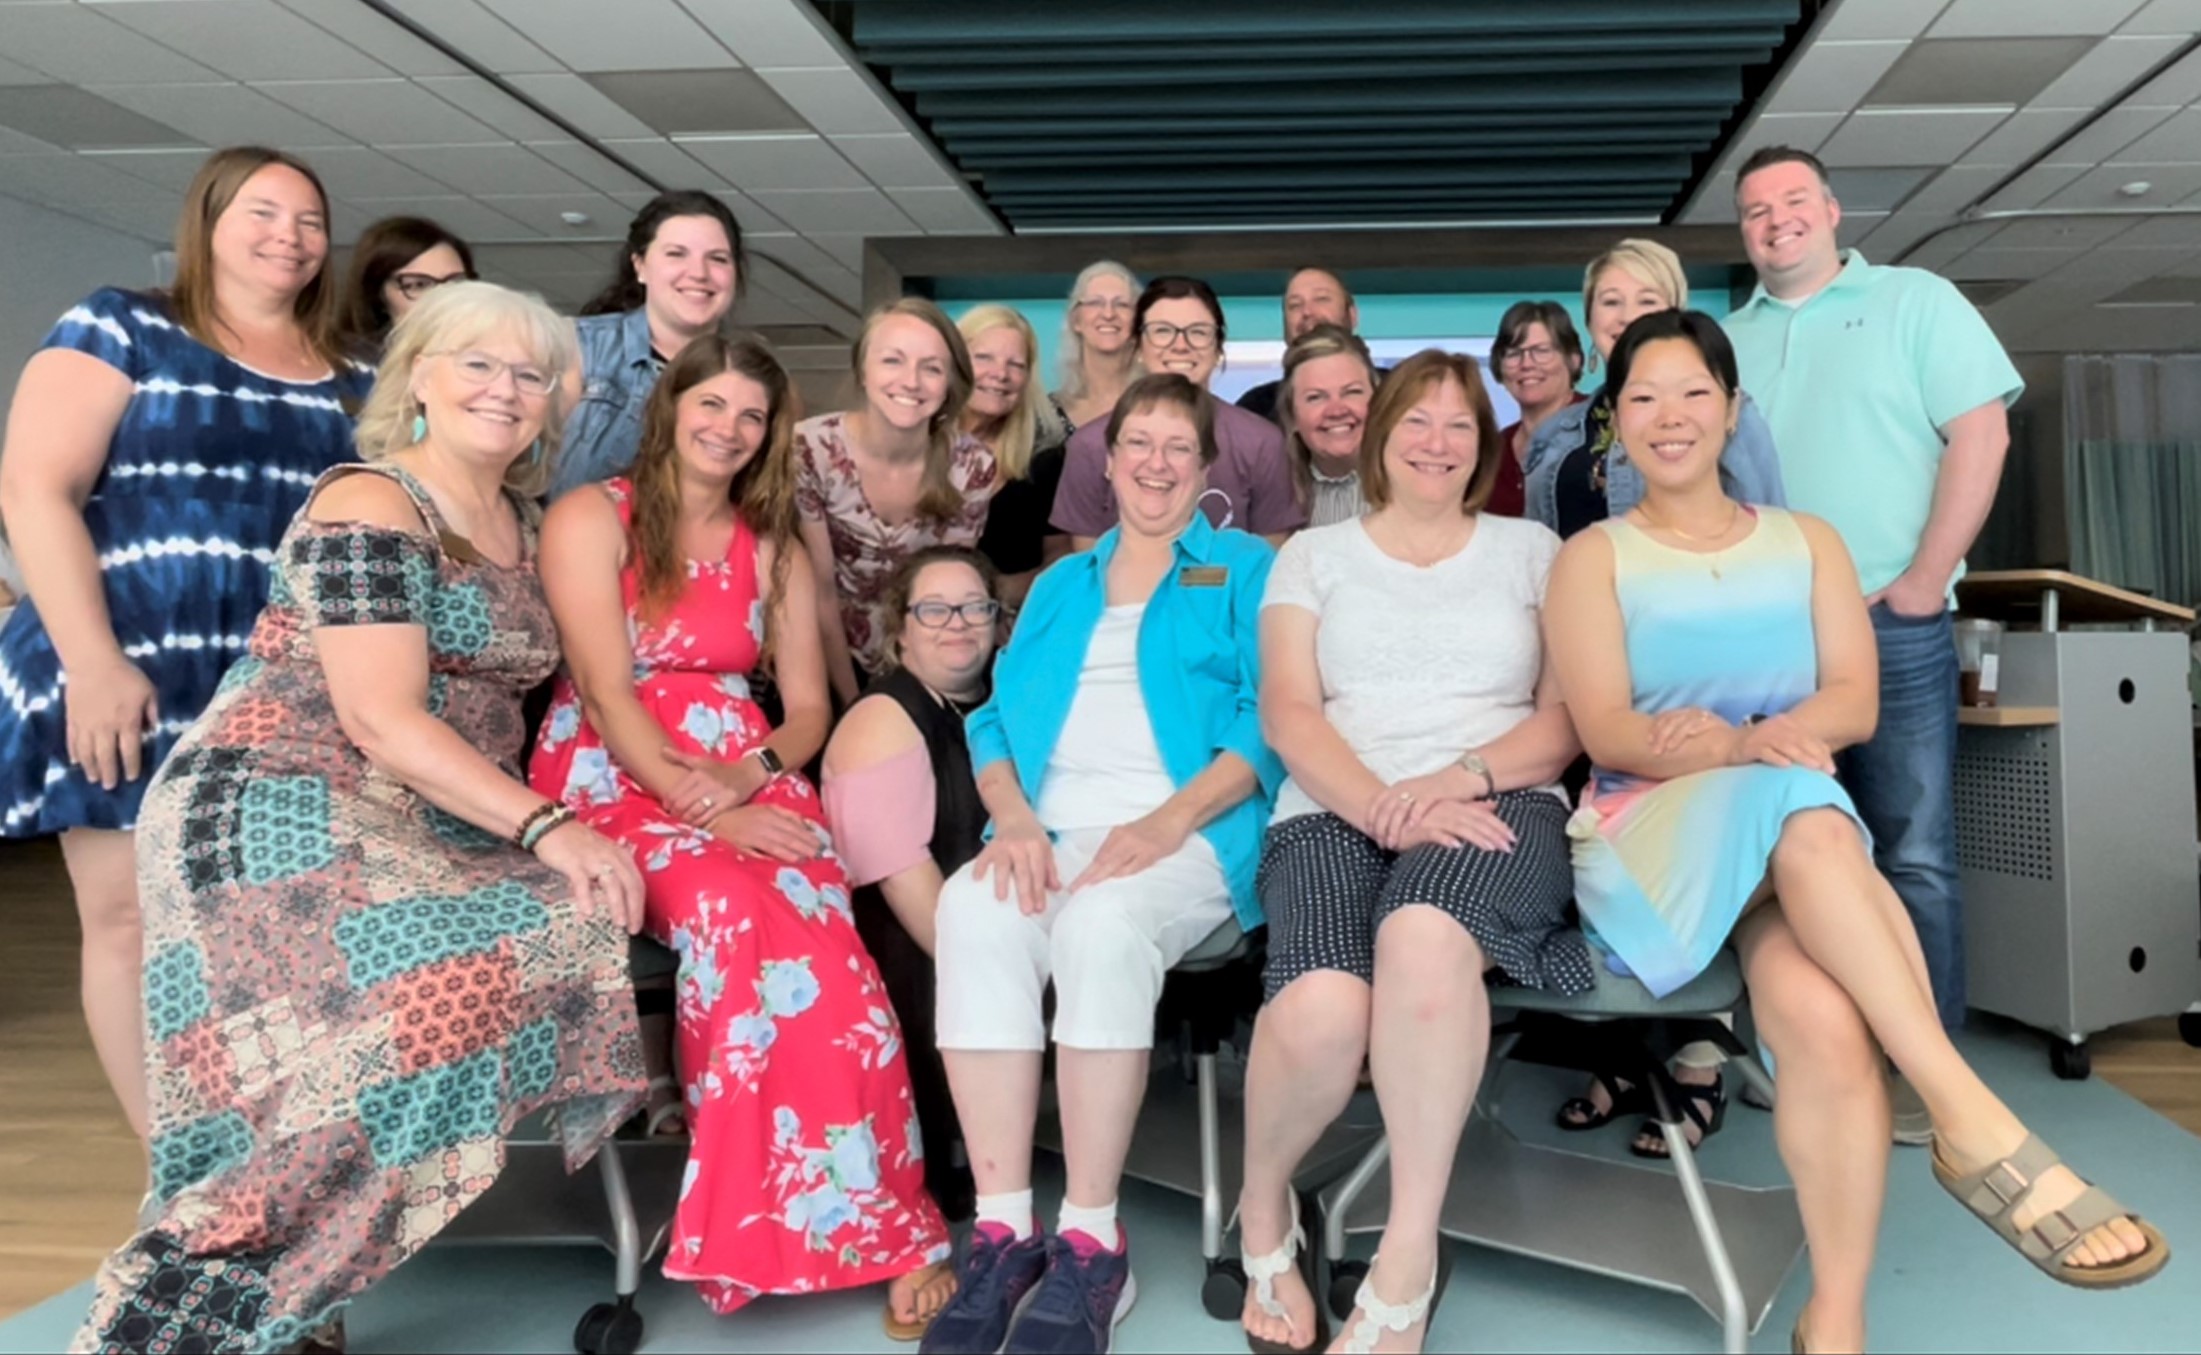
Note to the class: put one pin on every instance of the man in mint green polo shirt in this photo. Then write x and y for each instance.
(1886, 393)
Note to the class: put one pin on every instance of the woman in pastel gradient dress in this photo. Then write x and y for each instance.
(806, 1168)
(1714, 657)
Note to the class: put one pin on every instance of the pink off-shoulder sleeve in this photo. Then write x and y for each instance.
(882, 815)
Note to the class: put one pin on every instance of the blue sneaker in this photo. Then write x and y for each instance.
(997, 1275)
(1087, 1291)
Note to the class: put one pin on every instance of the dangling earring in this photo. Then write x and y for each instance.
(420, 427)
(535, 453)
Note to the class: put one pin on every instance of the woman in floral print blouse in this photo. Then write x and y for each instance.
(806, 1170)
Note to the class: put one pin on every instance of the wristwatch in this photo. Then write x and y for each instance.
(768, 759)
(1475, 765)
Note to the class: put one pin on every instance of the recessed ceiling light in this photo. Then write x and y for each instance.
(574, 218)
(2138, 188)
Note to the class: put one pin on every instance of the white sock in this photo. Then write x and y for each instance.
(1012, 1211)
(1098, 1223)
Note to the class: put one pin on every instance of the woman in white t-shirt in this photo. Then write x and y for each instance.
(1420, 840)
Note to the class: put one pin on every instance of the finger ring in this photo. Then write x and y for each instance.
(1406, 797)
(706, 802)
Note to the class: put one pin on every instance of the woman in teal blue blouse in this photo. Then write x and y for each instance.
(1122, 764)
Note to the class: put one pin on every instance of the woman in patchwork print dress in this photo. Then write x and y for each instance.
(356, 980)
(806, 1169)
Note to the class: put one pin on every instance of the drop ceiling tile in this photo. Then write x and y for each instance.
(225, 115)
(381, 112)
(465, 25)
(759, 308)
(13, 142)
(1995, 263)
(641, 35)
(1804, 131)
(2122, 133)
(1856, 227)
(589, 166)
(81, 46)
(12, 74)
(2098, 187)
(1936, 254)
(769, 32)
(464, 217)
(811, 256)
(76, 119)
(752, 216)
(1956, 188)
(2181, 84)
(751, 163)
(946, 211)
(715, 101)
(504, 168)
(357, 172)
(837, 100)
(1875, 190)
(246, 39)
(582, 104)
(837, 209)
(896, 160)
(494, 108)
(1830, 77)
(2024, 135)
(1976, 71)
(545, 211)
(2079, 233)
(1860, 19)
(663, 161)
(170, 170)
(1714, 202)
(2032, 18)
(2035, 186)
(1909, 136)
(2164, 232)
(375, 34)
(2107, 70)
(2165, 17)
(71, 181)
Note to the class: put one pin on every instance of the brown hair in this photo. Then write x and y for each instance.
(763, 491)
(937, 497)
(191, 295)
(1323, 341)
(1168, 389)
(903, 582)
(384, 248)
(1402, 390)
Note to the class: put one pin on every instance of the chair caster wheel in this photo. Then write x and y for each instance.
(2071, 1062)
(1345, 1278)
(609, 1329)
(2189, 1028)
(1223, 1293)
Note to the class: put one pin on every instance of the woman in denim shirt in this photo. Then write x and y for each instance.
(1122, 763)
(1578, 473)
(678, 276)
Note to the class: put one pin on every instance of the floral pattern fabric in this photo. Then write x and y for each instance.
(867, 548)
(806, 1168)
(351, 996)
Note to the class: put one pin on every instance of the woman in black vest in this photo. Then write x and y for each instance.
(905, 810)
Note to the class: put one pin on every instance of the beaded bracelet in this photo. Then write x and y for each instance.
(535, 826)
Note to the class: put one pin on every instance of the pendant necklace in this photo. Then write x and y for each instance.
(1734, 510)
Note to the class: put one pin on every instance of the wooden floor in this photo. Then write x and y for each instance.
(71, 1174)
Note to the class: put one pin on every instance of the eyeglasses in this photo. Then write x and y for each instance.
(1166, 336)
(1107, 304)
(479, 369)
(936, 615)
(1538, 354)
(417, 285)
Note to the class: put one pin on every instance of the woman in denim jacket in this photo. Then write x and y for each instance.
(1578, 473)
(678, 276)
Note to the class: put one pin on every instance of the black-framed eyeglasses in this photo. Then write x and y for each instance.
(414, 286)
(936, 615)
(1537, 353)
(1166, 335)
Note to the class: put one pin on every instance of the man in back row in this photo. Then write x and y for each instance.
(1313, 296)
(1887, 395)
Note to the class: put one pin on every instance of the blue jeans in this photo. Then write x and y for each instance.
(1903, 783)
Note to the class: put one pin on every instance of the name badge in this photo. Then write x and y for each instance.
(1203, 576)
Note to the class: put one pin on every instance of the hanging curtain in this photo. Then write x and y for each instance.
(2132, 471)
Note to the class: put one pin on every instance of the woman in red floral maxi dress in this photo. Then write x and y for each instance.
(806, 1171)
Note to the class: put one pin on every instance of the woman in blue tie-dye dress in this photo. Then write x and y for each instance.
(158, 445)
(1714, 658)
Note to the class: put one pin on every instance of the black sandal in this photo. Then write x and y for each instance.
(1580, 1114)
(1703, 1106)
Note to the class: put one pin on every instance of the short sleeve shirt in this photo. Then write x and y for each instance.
(1857, 382)
(1249, 487)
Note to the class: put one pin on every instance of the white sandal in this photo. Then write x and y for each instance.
(1378, 1318)
(675, 1109)
(1261, 1273)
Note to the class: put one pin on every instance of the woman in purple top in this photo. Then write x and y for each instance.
(1180, 327)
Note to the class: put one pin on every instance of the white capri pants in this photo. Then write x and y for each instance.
(1107, 948)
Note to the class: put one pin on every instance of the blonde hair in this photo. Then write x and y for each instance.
(937, 497)
(454, 316)
(191, 296)
(1648, 262)
(1323, 341)
(1073, 348)
(1012, 446)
